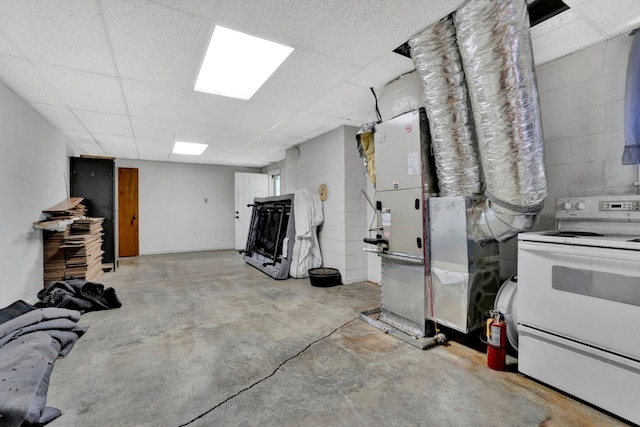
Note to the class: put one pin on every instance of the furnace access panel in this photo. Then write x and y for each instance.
(397, 153)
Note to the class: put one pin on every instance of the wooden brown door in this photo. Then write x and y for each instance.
(128, 212)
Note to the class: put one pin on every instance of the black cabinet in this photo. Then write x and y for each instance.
(93, 179)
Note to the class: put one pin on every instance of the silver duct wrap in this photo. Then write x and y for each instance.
(439, 67)
(495, 47)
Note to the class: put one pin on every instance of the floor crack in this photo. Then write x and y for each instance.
(268, 376)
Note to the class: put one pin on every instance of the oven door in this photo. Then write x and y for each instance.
(589, 294)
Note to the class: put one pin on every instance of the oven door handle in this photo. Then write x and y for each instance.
(587, 251)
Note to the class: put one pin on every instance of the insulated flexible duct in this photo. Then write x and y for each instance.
(495, 47)
(438, 64)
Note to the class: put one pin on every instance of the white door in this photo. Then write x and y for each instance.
(247, 187)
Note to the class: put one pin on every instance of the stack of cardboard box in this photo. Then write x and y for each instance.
(83, 249)
(72, 242)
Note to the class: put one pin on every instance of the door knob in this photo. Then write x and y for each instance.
(134, 218)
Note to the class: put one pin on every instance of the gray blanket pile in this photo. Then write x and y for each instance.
(78, 294)
(29, 346)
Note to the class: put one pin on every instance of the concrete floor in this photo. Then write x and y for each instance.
(203, 339)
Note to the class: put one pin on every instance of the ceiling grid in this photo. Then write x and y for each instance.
(116, 76)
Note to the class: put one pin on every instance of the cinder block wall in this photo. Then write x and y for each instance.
(582, 105)
(355, 209)
(332, 159)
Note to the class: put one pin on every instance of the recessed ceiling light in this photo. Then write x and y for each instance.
(237, 64)
(190, 148)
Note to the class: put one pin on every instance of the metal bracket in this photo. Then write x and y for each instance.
(422, 343)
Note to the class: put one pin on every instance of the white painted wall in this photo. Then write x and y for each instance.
(582, 105)
(173, 214)
(34, 175)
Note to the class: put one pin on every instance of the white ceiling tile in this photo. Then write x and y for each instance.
(323, 129)
(85, 141)
(78, 136)
(205, 134)
(150, 100)
(203, 8)
(24, 79)
(218, 154)
(303, 77)
(183, 158)
(343, 101)
(274, 141)
(575, 3)
(614, 17)
(276, 155)
(157, 156)
(7, 47)
(84, 90)
(299, 125)
(217, 150)
(365, 115)
(91, 148)
(115, 141)
(258, 117)
(257, 151)
(282, 21)
(104, 123)
(154, 128)
(150, 144)
(361, 30)
(58, 116)
(381, 71)
(212, 160)
(67, 33)
(561, 41)
(211, 109)
(553, 23)
(154, 43)
(123, 153)
(242, 160)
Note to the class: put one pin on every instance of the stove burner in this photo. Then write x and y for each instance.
(573, 234)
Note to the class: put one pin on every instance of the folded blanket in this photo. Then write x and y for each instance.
(29, 346)
(14, 310)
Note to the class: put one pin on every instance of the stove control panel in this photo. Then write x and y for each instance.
(599, 208)
(619, 206)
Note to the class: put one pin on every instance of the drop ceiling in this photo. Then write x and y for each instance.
(116, 76)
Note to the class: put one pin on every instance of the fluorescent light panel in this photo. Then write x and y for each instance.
(190, 148)
(237, 64)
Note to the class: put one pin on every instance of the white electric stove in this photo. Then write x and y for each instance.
(579, 302)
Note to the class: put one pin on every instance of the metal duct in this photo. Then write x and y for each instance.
(400, 96)
(438, 64)
(495, 47)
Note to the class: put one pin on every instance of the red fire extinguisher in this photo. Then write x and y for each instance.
(496, 341)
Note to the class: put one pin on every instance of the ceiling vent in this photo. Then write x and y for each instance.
(541, 10)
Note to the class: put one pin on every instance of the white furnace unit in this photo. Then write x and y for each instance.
(434, 270)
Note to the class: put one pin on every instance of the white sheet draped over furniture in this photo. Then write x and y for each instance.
(306, 249)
